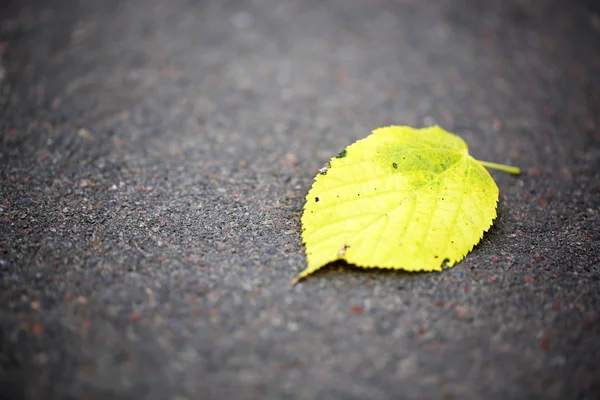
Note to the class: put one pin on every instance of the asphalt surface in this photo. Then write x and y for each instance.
(154, 161)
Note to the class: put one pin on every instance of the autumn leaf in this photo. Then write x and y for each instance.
(402, 198)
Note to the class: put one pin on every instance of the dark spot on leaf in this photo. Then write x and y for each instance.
(358, 194)
(395, 165)
(324, 172)
(435, 256)
(342, 154)
(316, 199)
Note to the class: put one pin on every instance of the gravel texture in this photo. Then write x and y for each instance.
(154, 160)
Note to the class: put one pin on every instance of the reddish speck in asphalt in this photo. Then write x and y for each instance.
(135, 317)
(356, 309)
(341, 77)
(590, 321)
(535, 172)
(37, 329)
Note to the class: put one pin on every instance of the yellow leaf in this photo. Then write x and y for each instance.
(401, 198)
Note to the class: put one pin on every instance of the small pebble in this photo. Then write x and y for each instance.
(24, 201)
(242, 20)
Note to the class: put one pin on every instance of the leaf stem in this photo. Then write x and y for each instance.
(501, 167)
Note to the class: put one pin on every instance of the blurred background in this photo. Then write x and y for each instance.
(154, 160)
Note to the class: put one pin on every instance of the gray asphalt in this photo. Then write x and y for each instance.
(154, 161)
